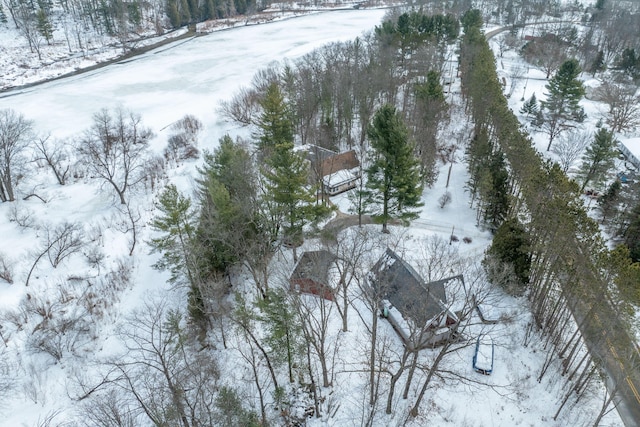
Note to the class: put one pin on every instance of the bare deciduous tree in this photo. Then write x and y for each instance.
(15, 136)
(63, 241)
(55, 154)
(111, 409)
(315, 314)
(546, 53)
(570, 147)
(243, 107)
(129, 222)
(58, 243)
(114, 147)
(160, 374)
(624, 106)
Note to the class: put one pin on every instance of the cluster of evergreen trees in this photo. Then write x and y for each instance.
(557, 251)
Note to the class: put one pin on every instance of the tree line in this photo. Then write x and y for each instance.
(552, 245)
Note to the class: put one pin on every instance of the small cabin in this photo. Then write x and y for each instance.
(311, 274)
(337, 172)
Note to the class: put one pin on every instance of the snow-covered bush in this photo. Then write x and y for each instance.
(183, 141)
(6, 269)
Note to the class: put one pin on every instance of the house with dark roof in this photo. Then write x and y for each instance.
(419, 312)
(337, 172)
(311, 274)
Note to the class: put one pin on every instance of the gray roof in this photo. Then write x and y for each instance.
(396, 281)
(314, 265)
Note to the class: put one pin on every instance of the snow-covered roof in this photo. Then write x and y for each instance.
(341, 177)
(631, 149)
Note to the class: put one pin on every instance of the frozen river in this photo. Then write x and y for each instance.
(184, 78)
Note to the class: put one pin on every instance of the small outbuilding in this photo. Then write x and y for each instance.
(311, 274)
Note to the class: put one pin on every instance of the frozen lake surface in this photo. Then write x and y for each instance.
(183, 78)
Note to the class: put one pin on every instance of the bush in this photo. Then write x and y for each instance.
(182, 143)
(6, 269)
(444, 200)
(510, 246)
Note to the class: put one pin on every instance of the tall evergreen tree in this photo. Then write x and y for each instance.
(511, 245)
(433, 110)
(287, 188)
(288, 191)
(564, 92)
(609, 201)
(629, 62)
(496, 192)
(284, 332)
(598, 159)
(631, 234)
(530, 108)
(394, 180)
(598, 64)
(175, 222)
(229, 217)
(44, 25)
(275, 123)
(478, 155)
(172, 13)
(185, 13)
(3, 15)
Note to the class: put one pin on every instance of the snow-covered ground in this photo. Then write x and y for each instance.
(192, 78)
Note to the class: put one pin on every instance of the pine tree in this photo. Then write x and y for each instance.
(598, 159)
(289, 192)
(631, 234)
(176, 223)
(478, 155)
(44, 25)
(287, 173)
(629, 62)
(626, 274)
(433, 110)
(598, 65)
(530, 108)
(394, 180)
(275, 124)
(3, 15)
(511, 245)
(172, 13)
(229, 217)
(609, 201)
(185, 14)
(564, 92)
(496, 192)
(284, 332)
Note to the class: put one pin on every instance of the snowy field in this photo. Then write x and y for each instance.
(192, 78)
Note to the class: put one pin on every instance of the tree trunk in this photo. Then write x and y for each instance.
(434, 367)
(372, 356)
(412, 369)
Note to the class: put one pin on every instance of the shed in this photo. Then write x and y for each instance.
(311, 274)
